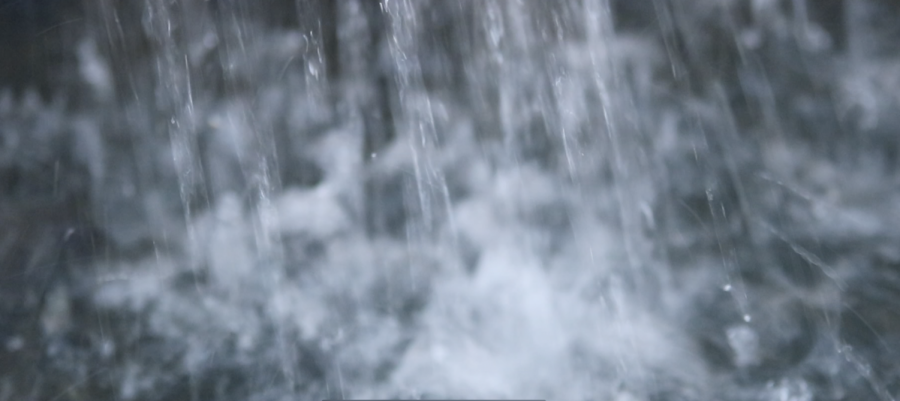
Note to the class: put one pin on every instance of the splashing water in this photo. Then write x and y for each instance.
(587, 199)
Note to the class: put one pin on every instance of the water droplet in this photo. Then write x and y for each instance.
(747, 318)
(14, 344)
(790, 390)
(744, 343)
(727, 288)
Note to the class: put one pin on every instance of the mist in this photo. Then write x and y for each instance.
(394, 199)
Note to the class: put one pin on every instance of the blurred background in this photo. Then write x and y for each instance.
(586, 199)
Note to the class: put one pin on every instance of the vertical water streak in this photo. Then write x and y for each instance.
(431, 201)
(618, 123)
(168, 27)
